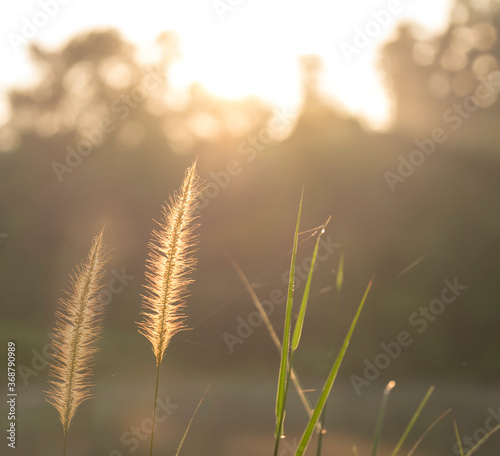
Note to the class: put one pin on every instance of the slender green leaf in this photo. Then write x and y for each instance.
(429, 429)
(412, 421)
(340, 273)
(321, 432)
(338, 286)
(255, 299)
(380, 419)
(457, 436)
(191, 421)
(482, 440)
(285, 351)
(305, 298)
(325, 393)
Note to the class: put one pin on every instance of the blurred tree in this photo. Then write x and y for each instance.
(434, 80)
(100, 137)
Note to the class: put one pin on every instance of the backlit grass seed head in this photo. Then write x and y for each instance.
(76, 331)
(171, 259)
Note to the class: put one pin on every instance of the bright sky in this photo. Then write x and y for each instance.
(236, 47)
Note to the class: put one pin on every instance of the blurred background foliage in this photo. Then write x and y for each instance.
(445, 214)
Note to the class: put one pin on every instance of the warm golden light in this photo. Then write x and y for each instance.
(238, 49)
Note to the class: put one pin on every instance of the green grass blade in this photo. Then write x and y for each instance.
(380, 419)
(325, 393)
(457, 436)
(339, 282)
(338, 287)
(321, 431)
(274, 337)
(412, 421)
(481, 441)
(429, 429)
(340, 273)
(191, 421)
(305, 298)
(285, 351)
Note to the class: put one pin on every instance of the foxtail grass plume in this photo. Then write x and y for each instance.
(76, 331)
(170, 261)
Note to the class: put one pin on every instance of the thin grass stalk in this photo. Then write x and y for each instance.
(429, 429)
(321, 431)
(191, 422)
(274, 337)
(457, 436)
(412, 421)
(299, 324)
(284, 372)
(154, 408)
(170, 261)
(325, 393)
(339, 281)
(380, 419)
(283, 413)
(482, 440)
(302, 312)
(75, 334)
(65, 444)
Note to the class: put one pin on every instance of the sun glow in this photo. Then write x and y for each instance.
(245, 48)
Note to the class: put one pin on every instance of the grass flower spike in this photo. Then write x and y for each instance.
(76, 331)
(170, 261)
